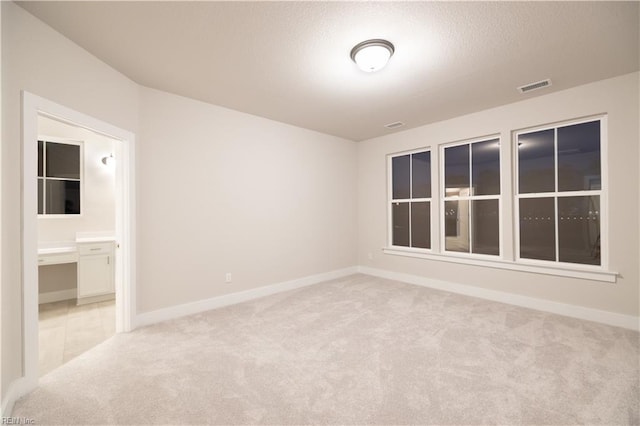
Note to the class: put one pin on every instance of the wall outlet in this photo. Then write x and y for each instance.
(370, 256)
(227, 277)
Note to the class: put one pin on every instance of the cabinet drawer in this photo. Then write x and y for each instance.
(57, 258)
(95, 248)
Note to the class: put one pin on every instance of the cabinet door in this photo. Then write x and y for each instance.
(95, 275)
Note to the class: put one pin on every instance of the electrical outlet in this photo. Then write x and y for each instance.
(227, 277)
(370, 256)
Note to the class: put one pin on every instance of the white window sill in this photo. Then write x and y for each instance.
(584, 272)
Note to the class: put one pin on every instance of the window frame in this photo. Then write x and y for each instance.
(391, 200)
(602, 193)
(52, 139)
(443, 199)
(509, 258)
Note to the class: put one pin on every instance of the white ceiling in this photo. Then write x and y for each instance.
(289, 61)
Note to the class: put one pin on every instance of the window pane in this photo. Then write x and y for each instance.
(400, 170)
(40, 196)
(537, 228)
(421, 174)
(536, 168)
(486, 226)
(579, 157)
(456, 224)
(63, 197)
(486, 167)
(420, 225)
(579, 229)
(456, 170)
(63, 160)
(400, 219)
(40, 158)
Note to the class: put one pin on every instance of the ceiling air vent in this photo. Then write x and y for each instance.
(394, 125)
(534, 86)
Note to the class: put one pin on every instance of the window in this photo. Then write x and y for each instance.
(557, 210)
(58, 178)
(410, 200)
(559, 193)
(471, 197)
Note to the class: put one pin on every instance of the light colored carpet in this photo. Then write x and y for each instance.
(358, 350)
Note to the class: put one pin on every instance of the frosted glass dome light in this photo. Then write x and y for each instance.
(372, 55)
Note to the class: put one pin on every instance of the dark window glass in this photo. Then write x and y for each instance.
(420, 225)
(486, 226)
(579, 229)
(456, 168)
(579, 157)
(62, 160)
(400, 168)
(40, 196)
(537, 228)
(536, 164)
(421, 174)
(40, 159)
(63, 197)
(456, 219)
(486, 167)
(400, 220)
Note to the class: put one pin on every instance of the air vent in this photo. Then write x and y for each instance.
(534, 86)
(394, 125)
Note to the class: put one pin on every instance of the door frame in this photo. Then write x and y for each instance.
(32, 107)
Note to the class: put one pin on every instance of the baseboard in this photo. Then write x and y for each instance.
(94, 299)
(56, 296)
(172, 312)
(16, 390)
(574, 311)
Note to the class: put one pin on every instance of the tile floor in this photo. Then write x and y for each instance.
(67, 330)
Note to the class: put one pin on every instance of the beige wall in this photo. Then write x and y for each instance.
(221, 191)
(38, 59)
(618, 97)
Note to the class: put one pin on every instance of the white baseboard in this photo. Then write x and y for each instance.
(16, 390)
(94, 299)
(56, 296)
(172, 312)
(574, 311)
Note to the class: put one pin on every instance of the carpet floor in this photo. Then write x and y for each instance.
(357, 350)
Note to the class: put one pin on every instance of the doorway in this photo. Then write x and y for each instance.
(34, 108)
(76, 202)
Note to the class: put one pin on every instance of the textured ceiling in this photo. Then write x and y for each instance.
(289, 61)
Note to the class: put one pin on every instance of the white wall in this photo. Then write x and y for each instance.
(618, 97)
(98, 197)
(37, 59)
(221, 191)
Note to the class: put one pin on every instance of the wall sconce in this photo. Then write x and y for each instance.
(108, 161)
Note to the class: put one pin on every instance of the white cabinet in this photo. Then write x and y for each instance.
(95, 270)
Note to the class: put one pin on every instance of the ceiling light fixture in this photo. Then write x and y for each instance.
(372, 55)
